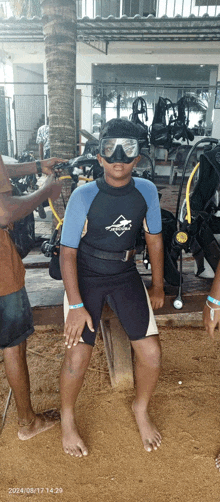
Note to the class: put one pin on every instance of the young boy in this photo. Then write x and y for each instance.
(16, 323)
(97, 259)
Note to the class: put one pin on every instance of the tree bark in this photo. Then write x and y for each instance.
(59, 25)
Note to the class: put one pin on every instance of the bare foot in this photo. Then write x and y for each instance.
(71, 440)
(149, 434)
(41, 422)
(217, 462)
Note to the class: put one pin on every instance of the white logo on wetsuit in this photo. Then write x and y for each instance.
(120, 226)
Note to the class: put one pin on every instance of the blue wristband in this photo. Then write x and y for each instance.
(76, 306)
(213, 300)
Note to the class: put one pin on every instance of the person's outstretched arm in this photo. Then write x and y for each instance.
(78, 317)
(156, 255)
(21, 169)
(209, 323)
(14, 208)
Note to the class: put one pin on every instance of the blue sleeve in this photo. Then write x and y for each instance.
(153, 215)
(76, 214)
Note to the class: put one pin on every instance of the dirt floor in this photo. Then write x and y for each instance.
(185, 408)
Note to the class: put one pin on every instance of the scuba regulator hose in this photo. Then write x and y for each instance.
(48, 247)
(181, 237)
(67, 177)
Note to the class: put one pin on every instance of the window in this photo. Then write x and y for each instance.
(105, 8)
(116, 8)
(207, 3)
(142, 7)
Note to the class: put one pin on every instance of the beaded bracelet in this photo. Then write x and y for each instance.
(77, 306)
(212, 311)
(213, 300)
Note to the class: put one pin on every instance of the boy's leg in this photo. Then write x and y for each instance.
(75, 364)
(131, 302)
(73, 370)
(16, 324)
(17, 374)
(147, 368)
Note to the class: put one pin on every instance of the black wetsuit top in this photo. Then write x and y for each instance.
(108, 218)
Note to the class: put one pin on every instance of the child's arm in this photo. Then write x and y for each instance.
(155, 249)
(76, 318)
(214, 293)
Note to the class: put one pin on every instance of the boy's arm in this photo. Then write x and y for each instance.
(155, 249)
(214, 293)
(76, 318)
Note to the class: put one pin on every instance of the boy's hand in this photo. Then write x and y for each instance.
(210, 325)
(74, 326)
(156, 294)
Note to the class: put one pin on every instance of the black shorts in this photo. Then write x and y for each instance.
(16, 321)
(126, 295)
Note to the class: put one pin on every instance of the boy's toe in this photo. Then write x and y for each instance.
(217, 462)
(148, 445)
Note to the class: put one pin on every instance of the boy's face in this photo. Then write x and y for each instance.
(117, 173)
(118, 156)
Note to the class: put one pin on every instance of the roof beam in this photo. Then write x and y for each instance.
(98, 32)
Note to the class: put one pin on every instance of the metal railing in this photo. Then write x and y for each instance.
(157, 8)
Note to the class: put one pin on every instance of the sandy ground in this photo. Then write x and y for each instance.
(117, 468)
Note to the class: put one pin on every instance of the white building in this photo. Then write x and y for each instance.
(145, 47)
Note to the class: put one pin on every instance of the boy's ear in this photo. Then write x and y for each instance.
(99, 159)
(137, 160)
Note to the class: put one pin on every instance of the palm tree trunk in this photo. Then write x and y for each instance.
(59, 21)
(59, 24)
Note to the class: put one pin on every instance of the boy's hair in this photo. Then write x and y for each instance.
(120, 128)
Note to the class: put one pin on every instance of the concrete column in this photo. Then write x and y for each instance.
(84, 77)
(46, 103)
(216, 116)
(211, 103)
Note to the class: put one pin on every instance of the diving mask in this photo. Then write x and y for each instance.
(119, 149)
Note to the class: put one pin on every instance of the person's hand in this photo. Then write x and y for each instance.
(52, 186)
(156, 294)
(49, 165)
(74, 326)
(208, 323)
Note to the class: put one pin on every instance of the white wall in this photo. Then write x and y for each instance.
(28, 100)
(84, 75)
(216, 117)
(6, 75)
